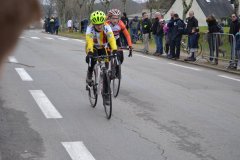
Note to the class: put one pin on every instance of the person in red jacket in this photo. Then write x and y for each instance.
(118, 26)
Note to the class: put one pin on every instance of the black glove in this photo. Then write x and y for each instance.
(114, 52)
(89, 55)
(130, 51)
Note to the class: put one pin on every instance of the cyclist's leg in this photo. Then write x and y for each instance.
(120, 52)
(91, 67)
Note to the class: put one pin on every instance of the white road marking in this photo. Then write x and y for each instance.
(45, 105)
(145, 56)
(178, 65)
(21, 37)
(12, 59)
(79, 40)
(35, 37)
(64, 39)
(235, 79)
(23, 74)
(77, 151)
(49, 38)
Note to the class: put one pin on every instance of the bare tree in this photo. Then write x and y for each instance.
(48, 7)
(124, 5)
(90, 4)
(186, 8)
(106, 4)
(236, 6)
(153, 4)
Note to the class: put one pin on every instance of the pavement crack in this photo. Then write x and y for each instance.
(22, 64)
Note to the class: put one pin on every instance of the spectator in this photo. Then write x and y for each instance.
(177, 32)
(238, 49)
(134, 27)
(213, 28)
(193, 44)
(146, 30)
(234, 25)
(85, 24)
(192, 22)
(167, 43)
(56, 25)
(125, 20)
(157, 31)
(21, 17)
(69, 25)
(234, 29)
(52, 25)
(170, 26)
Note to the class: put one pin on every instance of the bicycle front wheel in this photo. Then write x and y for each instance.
(116, 82)
(107, 95)
(92, 91)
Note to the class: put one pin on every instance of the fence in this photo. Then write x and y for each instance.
(219, 46)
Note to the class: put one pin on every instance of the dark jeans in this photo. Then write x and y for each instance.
(159, 43)
(134, 35)
(175, 47)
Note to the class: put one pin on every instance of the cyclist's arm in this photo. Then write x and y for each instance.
(110, 37)
(89, 40)
(126, 33)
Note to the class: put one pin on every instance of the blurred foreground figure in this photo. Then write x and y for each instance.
(15, 15)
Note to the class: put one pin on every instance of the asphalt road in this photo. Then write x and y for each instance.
(166, 110)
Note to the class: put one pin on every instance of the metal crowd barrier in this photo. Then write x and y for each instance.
(219, 46)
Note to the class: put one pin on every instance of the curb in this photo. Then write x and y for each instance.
(195, 63)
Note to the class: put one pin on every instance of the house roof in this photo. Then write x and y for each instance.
(218, 8)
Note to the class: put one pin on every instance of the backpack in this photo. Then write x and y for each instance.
(182, 27)
(220, 28)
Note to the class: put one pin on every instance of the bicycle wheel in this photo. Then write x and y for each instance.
(107, 95)
(199, 51)
(116, 81)
(92, 91)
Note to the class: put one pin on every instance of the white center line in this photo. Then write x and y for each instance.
(235, 79)
(12, 59)
(79, 40)
(45, 105)
(64, 39)
(77, 151)
(145, 56)
(35, 37)
(49, 38)
(23, 74)
(178, 65)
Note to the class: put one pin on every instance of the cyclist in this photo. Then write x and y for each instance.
(98, 36)
(118, 26)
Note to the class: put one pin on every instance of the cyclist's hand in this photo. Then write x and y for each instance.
(114, 52)
(89, 55)
(130, 51)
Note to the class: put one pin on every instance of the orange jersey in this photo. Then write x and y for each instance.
(120, 27)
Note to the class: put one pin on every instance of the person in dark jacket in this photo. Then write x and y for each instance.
(192, 22)
(234, 25)
(146, 30)
(169, 33)
(157, 31)
(234, 29)
(238, 49)
(178, 27)
(56, 25)
(52, 25)
(134, 27)
(193, 44)
(213, 37)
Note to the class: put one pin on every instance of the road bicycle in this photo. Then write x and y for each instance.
(101, 83)
(116, 73)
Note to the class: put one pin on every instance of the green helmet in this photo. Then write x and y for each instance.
(98, 17)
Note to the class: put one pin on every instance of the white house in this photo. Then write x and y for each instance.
(203, 8)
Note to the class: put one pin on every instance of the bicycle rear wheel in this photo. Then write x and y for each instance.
(116, 82)
(107, 95)
(92, 91)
